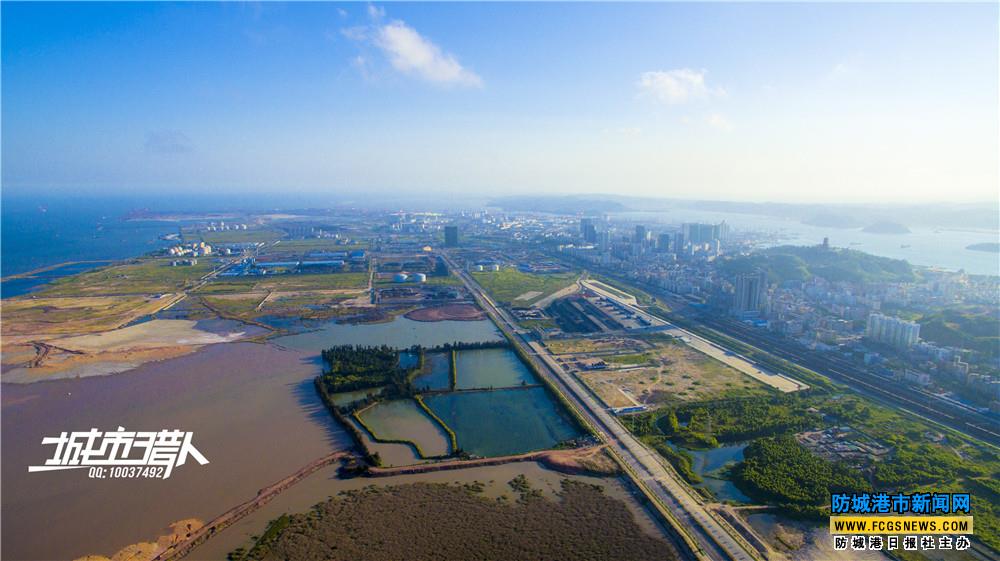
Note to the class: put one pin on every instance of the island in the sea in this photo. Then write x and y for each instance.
(989, 247)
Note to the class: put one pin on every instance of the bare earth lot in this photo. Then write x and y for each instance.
(667, 373)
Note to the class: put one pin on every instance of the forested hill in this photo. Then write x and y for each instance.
(833, 264)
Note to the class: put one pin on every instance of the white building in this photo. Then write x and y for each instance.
(892, 331)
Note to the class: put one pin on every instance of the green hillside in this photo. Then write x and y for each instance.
(804, 262)
(979, 331)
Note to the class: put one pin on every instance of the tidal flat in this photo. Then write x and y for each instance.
(493, 481)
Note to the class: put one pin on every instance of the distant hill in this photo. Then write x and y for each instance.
(936, 215)
(560, 205)
(990, 247)
(801, 263)
(832, 220)
(886, 228)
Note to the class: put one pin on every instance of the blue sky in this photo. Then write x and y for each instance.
(797, 102)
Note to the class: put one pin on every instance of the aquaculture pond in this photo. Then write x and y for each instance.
(409, 360)
(436, 374)
(403, 419)
(491, 368)
(502, 422)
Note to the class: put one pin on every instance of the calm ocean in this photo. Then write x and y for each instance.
(41, 233)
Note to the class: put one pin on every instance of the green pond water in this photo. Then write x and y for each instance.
(502, 422)
(709, 463)
(403, 419)
(491, 368)
(437, 372)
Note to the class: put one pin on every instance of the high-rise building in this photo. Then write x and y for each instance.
(749, 296)
(892, 331)
(663, 243)
(640, 234)
(679, 243)
(604, 240)
(705, 233)
(451, 236)
(587, 230)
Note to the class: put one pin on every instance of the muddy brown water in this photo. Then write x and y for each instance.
(251, 407)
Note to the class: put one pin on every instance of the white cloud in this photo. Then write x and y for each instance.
(342, 12)
(355, 33)
(411, 53)
(361, 63)
(719, 121)
(375, 12)
(676, 86)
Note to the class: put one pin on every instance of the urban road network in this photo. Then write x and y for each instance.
(713, 538)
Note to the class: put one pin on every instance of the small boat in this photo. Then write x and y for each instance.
(904, 246)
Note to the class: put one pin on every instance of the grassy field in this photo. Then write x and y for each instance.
(539, 323)
(286, 283)
(34, 316)
(147, 276)
(333, 281)
(241, 305)
(576, 346)
(241, 236)
(507, 284)
(230, 285)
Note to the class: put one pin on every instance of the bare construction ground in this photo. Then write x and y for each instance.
(667, 373)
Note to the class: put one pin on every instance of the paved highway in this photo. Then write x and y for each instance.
(716, 539)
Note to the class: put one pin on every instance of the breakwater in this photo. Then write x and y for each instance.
(265, 495)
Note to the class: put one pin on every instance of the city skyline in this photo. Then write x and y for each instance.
(755, 102)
